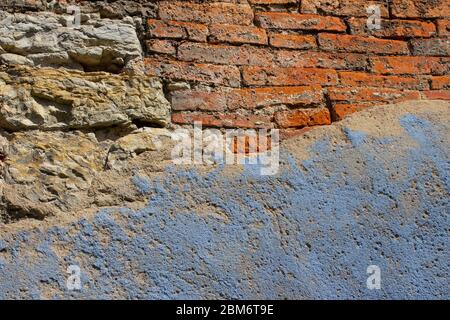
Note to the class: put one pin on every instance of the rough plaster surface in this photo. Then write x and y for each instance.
(372, 189)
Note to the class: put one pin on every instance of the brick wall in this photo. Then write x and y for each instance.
(288, 64)
(295, 63)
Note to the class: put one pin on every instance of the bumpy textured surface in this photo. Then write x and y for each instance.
(372, 189)
(87, 113)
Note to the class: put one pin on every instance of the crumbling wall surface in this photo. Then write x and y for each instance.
(258, 63)
(92, 91)
(370, 190)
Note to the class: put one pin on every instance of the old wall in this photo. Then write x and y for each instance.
(371, 190)
(284, 63)
(86, 174)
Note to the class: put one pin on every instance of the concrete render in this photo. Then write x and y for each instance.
(370, 190)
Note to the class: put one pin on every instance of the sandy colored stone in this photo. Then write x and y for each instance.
(51, 99)
(54, 40)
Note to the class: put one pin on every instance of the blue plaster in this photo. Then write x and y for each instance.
(309, 232)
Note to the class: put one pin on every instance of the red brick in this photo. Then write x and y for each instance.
(420, 8)
(298, 96)
(161, 46)
(232, 99)
(361, 79)
(194, 100)
(442, 82)
(437, 94)
(310, 59)
(260, 76)
(348, 8)
(177, 30)
(409, 65)
(341, 110)
(354, 94)
(296, 21)
(224, 54)
(215, 12)
(393, 28)
(444, 27)
(263, 97)
(351, 43)
(431, 47)
(208, 73)
(237, 34)
(292, 41)
(223, 120)
(303, 117)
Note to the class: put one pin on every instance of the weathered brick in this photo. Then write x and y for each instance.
(224, 54)
(260, 76)
(298, 96)
(352, 43)
(177, 30)
(296, 21)
(220, 120)
(237, 34)
(215, 12)
(354, 94)
(442, 82)
(361, 79)
(341, 110)
(393, 28)
(292, 41)
(208, 73)
(161, 46)
(311, 59)
(263, 97)
(194, 100)
(232, 99)
(431, 47)
(437, 94)
(444, 27)
(420, 8)
(409, 65)
(348, 8)
(303, 117)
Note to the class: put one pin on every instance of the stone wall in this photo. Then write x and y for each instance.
(88, 106)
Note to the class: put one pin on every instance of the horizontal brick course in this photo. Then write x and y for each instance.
(260, 76)
(360, 44)
(213, 12)
(409, 65)
(354, 94)
(420, 8)
(360, 79)
(237, 34)
(346, 8)
(295, 21)
(292, 41)
(177, 70)
(232, 99)
(177, 30)
(303, 118)
(393, 28)
(276, 63)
